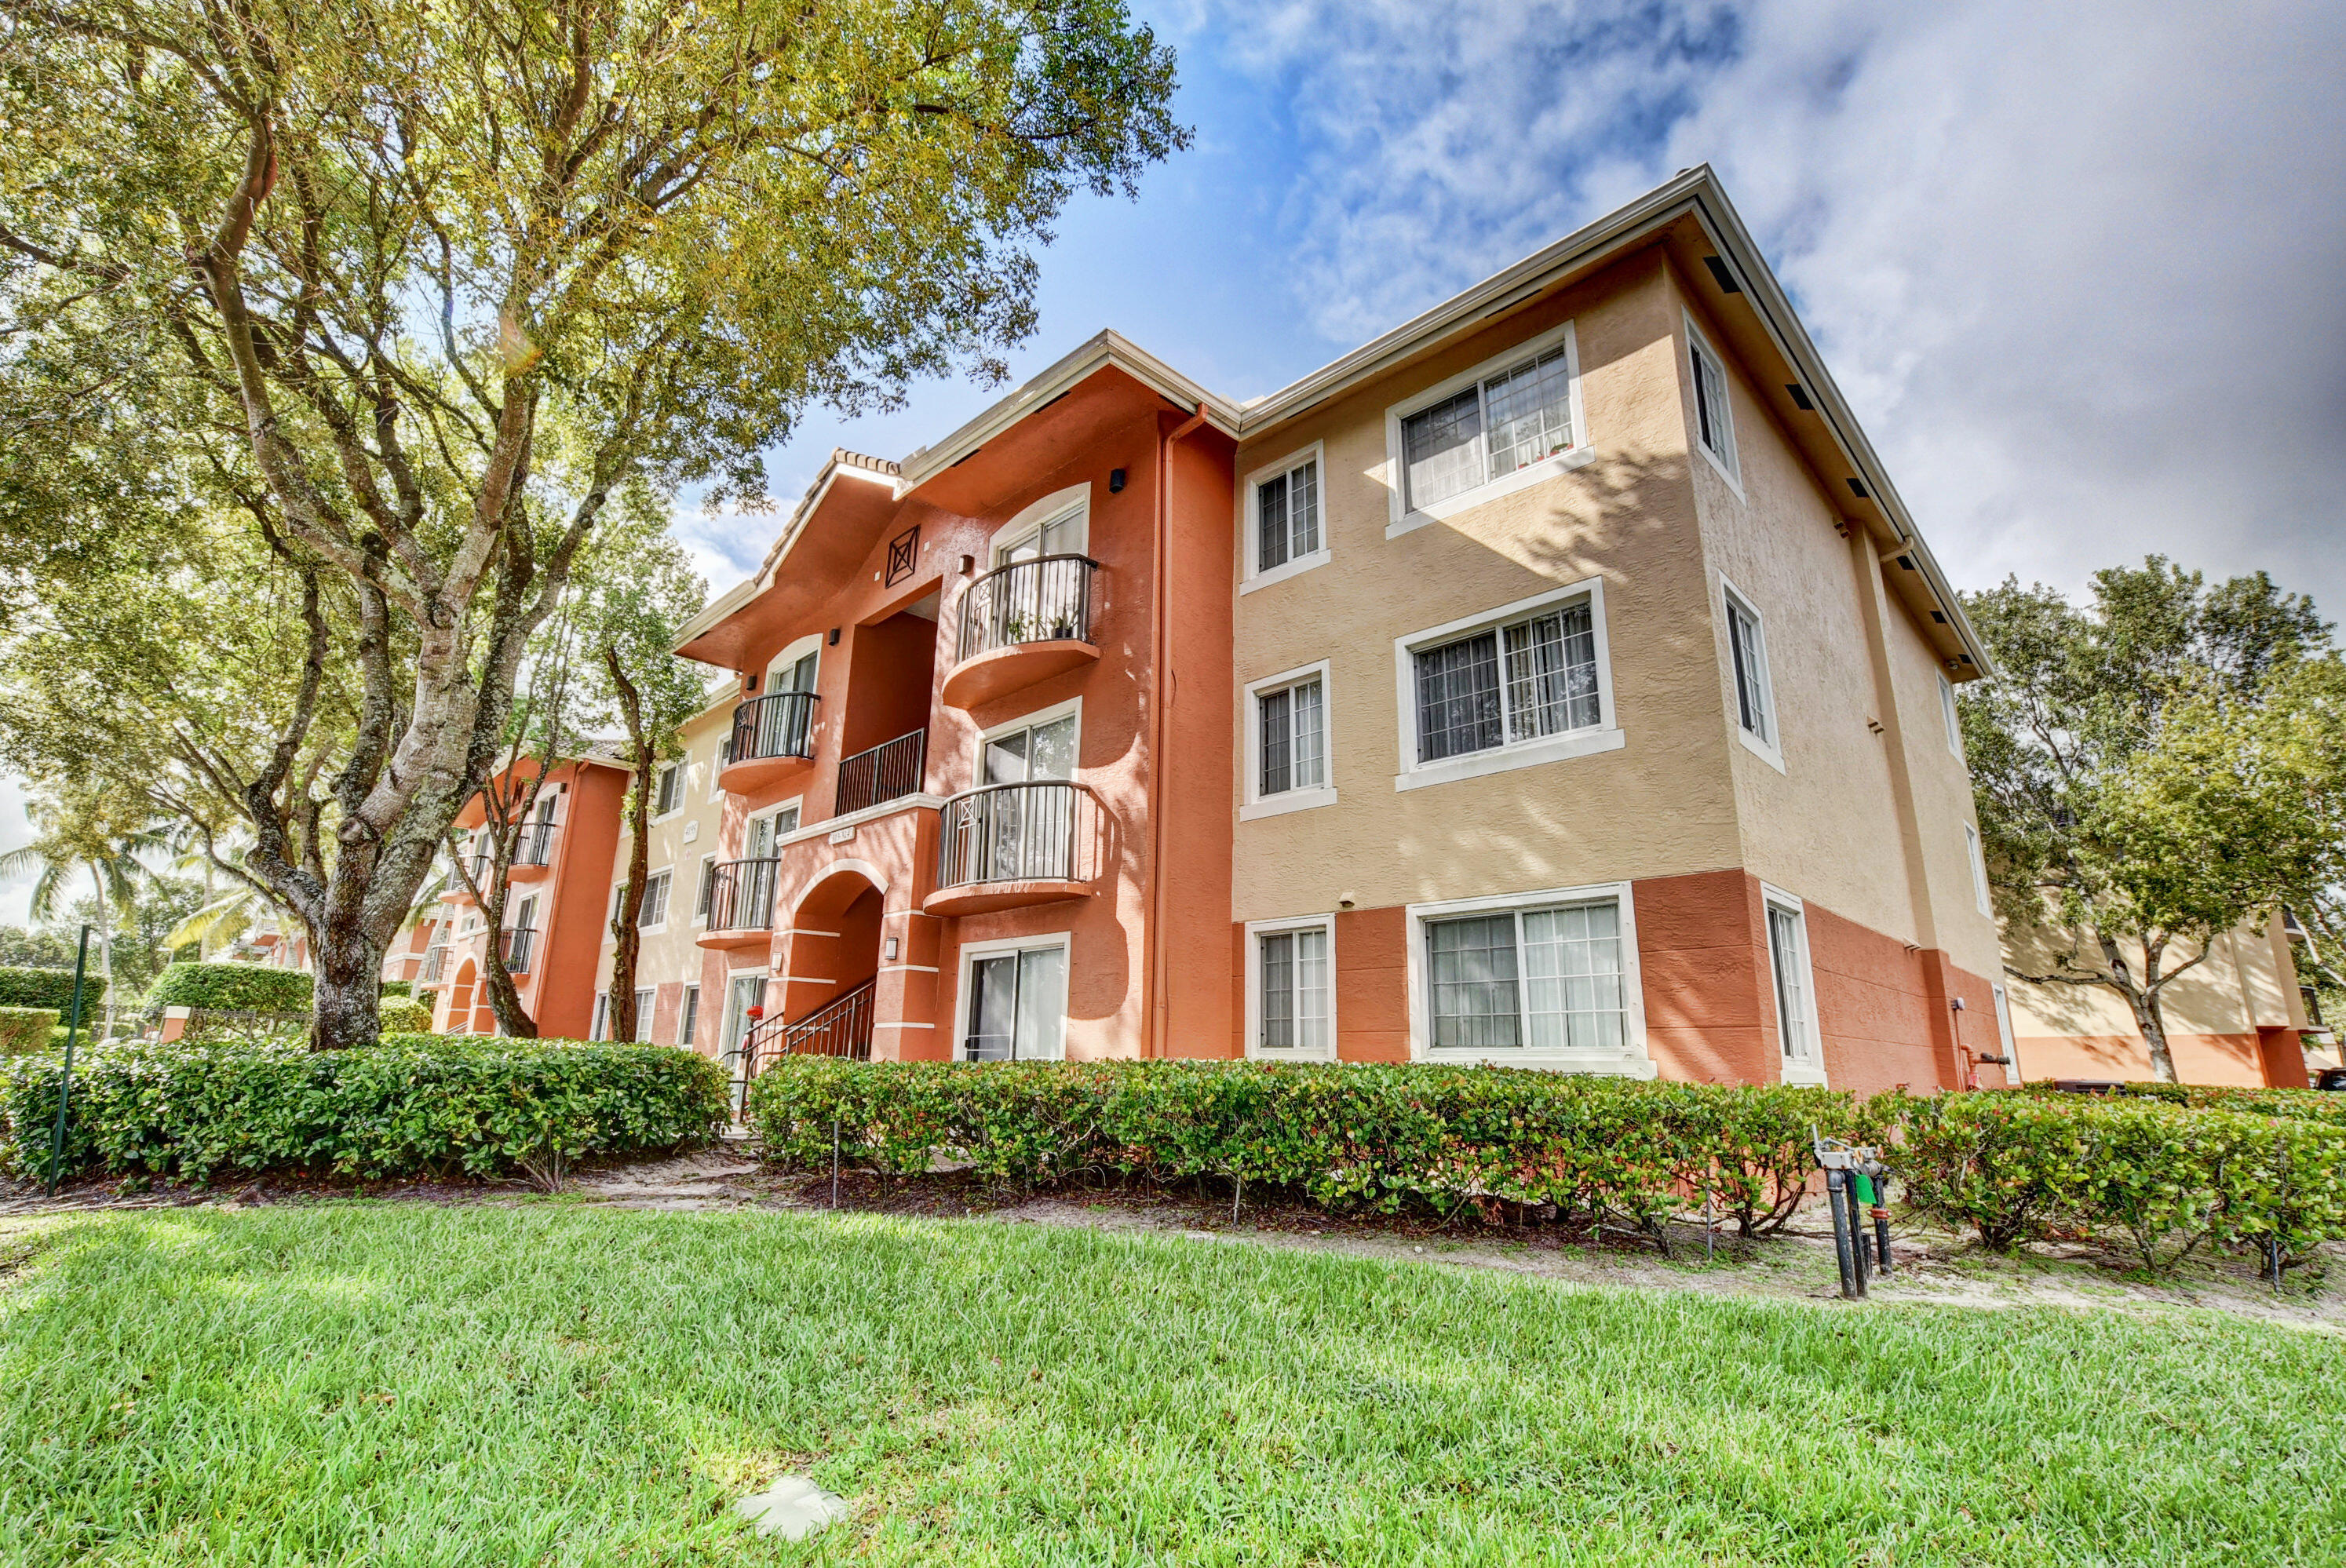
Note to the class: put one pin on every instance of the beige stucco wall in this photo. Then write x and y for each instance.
(1866, 814)
(1660, 804)
(2248, 981)
(678, 843)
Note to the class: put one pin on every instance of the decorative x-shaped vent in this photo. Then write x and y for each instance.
(901, 550)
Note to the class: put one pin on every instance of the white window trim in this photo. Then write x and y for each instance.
(749, 824)
(967, 960)
(1255, 931)
(708, 871)
(1730, 466)
(1771, 750)
(683, 791)
(2004, 1034)
(687, 1011)
(1251, 517)
(1606, 737)
(1633, 1062)
(1796, 1070)
(1948, 713)
(725, 1000)
(1058, 710)
(1252, 803)
(1402, 518)
(1034, 518)
(600, 1024)
(667, 899)
(1977, 854)
(796, 650)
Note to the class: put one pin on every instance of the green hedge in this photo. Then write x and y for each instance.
(2158, 1179)
(231, 987)
(21, 987)
(23, 1029)
(1616, 1151)
(413, 1104)
(398, 988)
(399, 1015)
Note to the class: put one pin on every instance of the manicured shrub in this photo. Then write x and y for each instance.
(1619, 1152)
(410, 1105)
(399, 1016)
(22, 987)
(2153, 1178)
(231, 987)
(398, 988)
(23, 1029)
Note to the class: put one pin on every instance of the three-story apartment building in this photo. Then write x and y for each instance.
(1557, 680)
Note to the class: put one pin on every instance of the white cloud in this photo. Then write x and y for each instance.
(2074, 264)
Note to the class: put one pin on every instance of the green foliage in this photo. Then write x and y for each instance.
(23, 1029)
(231, 987)
(411, 1104)
(2158, 1178)
(398, 988)
(1620, 1150)
(402, 1015)
(50, 988)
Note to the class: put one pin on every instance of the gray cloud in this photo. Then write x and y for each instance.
(2073, 264)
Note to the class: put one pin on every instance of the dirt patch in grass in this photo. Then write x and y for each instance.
(1932, 1264)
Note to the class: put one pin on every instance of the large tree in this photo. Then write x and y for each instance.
(2152, 768)
(411, 289)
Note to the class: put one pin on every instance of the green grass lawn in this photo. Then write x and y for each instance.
(549, 1383)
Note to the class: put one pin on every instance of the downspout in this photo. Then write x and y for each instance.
(1160, 676)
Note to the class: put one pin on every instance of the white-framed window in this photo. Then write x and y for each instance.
(1795, 976)
(1714, 416)
(2004, 1034)
(652, 914)
(1510, 421)
(1013, 1000)
(707, 889)
(688, 1022)
(1526, 683)
(668, 789)
(1754, 695)
(645, 1000)
(1058, 525)
(1953, 717)
(602, 1025)
(1039, 745)
(762, 834)
(797, 667)
(1979, 871)
(1290, 1001)
(1546, 979)
(1287, 755)
(1283, 529)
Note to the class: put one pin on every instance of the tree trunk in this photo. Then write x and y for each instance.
(2142, 997)
(346, 977)
(622, 1010)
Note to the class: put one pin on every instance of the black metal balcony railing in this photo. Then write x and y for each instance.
(534, 845)
(779, 724)
(885, 772)
(516, 943)
(840, 1027)
(1044, 830)
(742, 895)
(1048, 599)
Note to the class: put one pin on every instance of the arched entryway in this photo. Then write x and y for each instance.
(826, 994)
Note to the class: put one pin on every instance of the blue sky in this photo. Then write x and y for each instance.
(2076, 265)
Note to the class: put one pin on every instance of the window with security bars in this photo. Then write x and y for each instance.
(1293, 731)
(1294, 990)
(1536, 981)
(1287, 517)
(1522, 681)
(1502, 423)
(1714, 420)
(1746, 646)
(1788, 951)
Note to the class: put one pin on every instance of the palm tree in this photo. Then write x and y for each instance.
(82, 829)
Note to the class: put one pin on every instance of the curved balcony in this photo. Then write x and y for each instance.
(741, 903)
(1010, 845)
(772, 739)
(533, 851)
(1020, 623)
